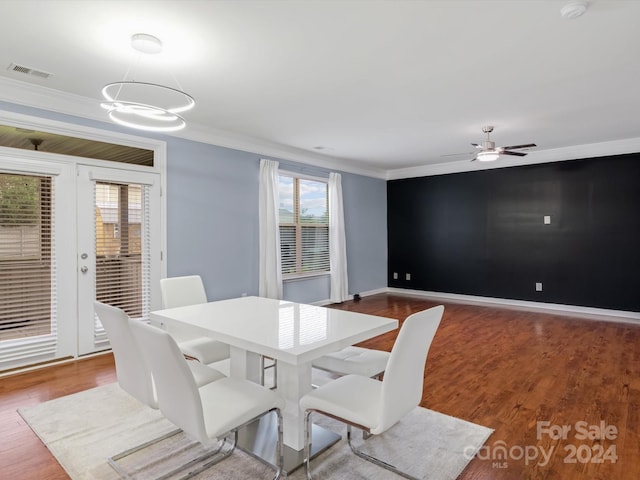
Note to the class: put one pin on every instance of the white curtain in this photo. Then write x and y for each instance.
(270, 284)
(337, 241)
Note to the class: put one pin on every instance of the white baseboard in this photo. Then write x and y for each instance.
(554, 308)
(322, 303)
(375, 292)
(558, 309)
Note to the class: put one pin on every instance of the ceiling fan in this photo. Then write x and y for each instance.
(489, 152)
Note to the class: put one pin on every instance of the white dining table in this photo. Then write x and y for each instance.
(294, 334)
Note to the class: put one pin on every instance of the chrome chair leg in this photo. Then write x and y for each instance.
(220, 452)
(374, 460)
(307, 444)
(354, 449)
(280, 451)
(226, 453)
(113, 461)
(216, 452)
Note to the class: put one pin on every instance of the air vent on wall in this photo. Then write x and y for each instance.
(14, 67)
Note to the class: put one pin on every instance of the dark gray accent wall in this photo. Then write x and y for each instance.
(483, 233)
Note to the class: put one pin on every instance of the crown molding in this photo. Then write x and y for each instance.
(37, 96)
(591, 150)
(266, 148)
(45, 98)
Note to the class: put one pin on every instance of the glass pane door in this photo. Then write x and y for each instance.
(34, 322)
(116, 242)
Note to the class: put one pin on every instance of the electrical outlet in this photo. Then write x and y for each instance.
(395, 275)
(407, 276)
(538, 286)
(547, 219)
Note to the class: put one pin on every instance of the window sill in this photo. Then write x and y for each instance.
(304, 276)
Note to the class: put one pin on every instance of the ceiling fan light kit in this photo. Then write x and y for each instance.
(487, 156)
(490, 153)
(143, 105)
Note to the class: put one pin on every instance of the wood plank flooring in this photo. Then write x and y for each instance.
(22, 455)
(528, 375)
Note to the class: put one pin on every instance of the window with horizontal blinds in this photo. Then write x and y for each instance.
(304, 225)
(121, 246)
(27, 267)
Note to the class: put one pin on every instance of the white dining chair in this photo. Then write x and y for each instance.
(371, 405)
(181, 292)
(209, 414)
(134, 374)
(189, 290)
(354, 360)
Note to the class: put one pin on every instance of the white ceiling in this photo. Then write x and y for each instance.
(381, 86)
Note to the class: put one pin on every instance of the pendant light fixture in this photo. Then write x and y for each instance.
(143, 105)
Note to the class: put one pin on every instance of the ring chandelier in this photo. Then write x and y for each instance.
(144, 105)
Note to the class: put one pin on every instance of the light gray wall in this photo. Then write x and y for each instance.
(212, 222)
(212, 217)
(365, 213)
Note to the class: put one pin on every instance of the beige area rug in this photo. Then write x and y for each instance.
(83, 429)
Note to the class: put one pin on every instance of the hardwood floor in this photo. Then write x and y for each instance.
(525, 374)
(22, 455)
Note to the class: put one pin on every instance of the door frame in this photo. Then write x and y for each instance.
(26, 161)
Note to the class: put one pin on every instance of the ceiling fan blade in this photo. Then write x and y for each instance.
(516, 147)
(517, 154)
(476, 145)
(457, 154)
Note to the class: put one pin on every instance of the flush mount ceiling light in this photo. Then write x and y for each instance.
(144, 105)
(574, 9)
(146, 43)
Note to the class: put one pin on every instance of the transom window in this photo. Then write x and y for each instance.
(304, 225)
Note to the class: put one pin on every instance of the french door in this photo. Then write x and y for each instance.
(118, 246)
(70, 234)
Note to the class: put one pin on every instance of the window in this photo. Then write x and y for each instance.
(119, 262)
(304, 225)
(27, 305)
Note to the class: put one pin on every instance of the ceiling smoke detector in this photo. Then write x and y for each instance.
(574, 9)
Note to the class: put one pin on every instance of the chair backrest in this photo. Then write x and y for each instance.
(178, 396)
(404, 377)
(132, 370)
(182, 291)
